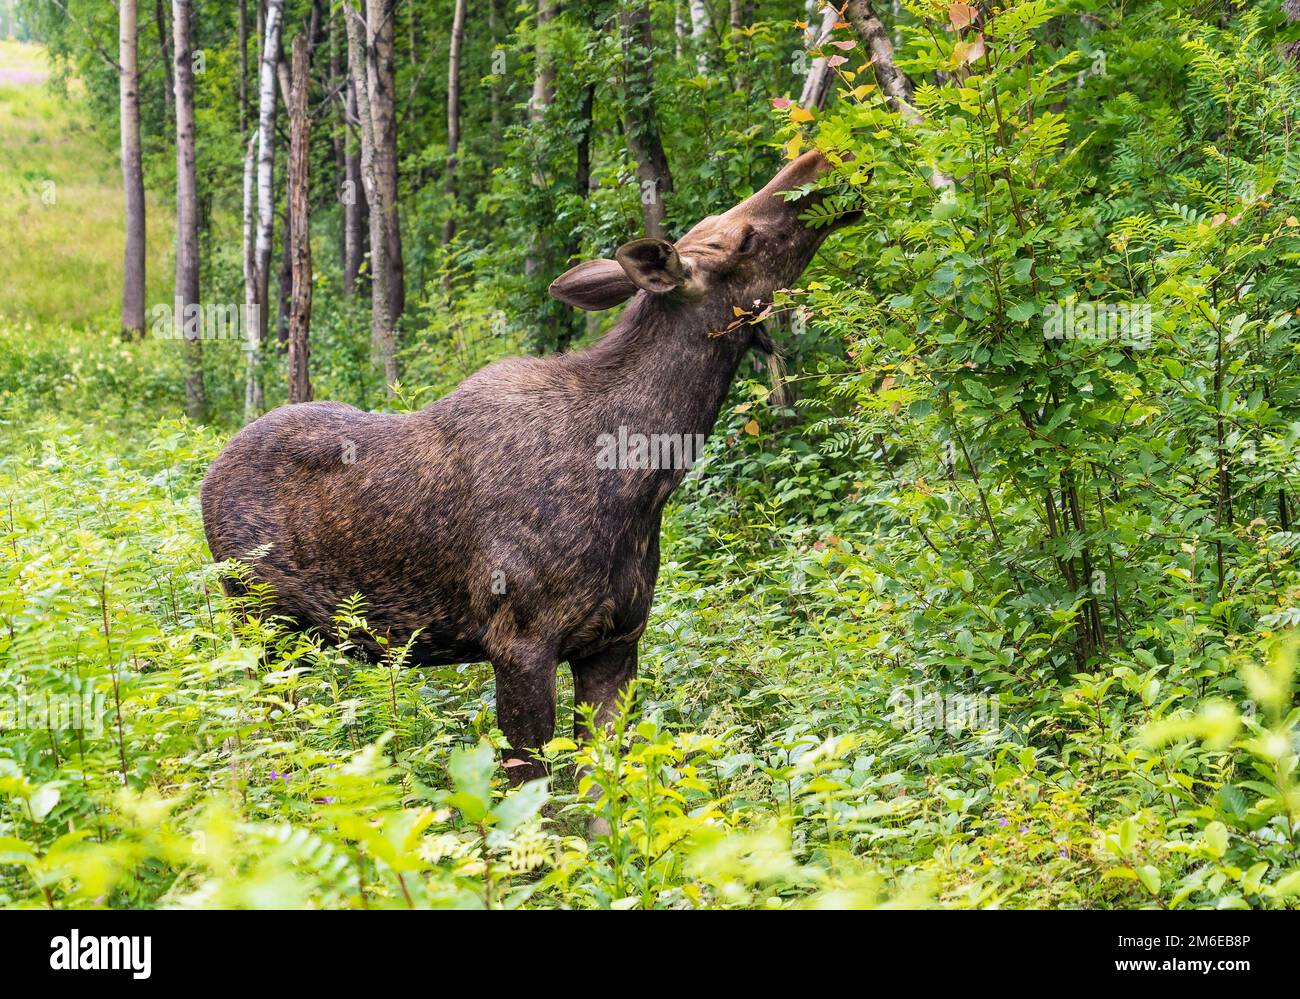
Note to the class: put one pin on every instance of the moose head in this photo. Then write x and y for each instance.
(726, 261)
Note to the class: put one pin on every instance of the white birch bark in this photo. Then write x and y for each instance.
(266, 97)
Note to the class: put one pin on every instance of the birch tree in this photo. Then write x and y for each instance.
(817, 83)
(257, 279)
(133, 262)
(453, 115)
(543, 68)
(187, 217)
(699, 33)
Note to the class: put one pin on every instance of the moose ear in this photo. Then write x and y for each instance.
(593, 285)
(652, 264)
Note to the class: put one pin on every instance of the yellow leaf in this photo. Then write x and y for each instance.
(751, 428)
(793, 146)
(737, 311)
(800, 114)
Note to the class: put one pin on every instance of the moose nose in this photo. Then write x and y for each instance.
(798, 172)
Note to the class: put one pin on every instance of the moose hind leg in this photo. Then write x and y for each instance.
(599, 680)
(525, 709)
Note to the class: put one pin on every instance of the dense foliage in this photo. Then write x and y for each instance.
(988, 616)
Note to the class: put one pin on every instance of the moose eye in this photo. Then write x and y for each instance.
(749, 242)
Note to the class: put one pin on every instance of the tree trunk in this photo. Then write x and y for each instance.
(543, 66)
(251, 319)
(356, 208)
(639, 110)
(160, 21)
(133, 263)
(300, 222)
(1292, 10)
(699, 35)
(381, 324)
(284, 278)
(379, 74)
(187, 217)
(893, 82)
(243, 68)
(453, 116)
(494, 97)
(582, 186)
(339, 142)
(352, 196)
(817, 84)
(542, 96)
(257, 283)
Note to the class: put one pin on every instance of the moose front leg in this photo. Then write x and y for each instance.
(525, 710)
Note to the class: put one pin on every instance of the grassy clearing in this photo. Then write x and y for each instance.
(61, 206)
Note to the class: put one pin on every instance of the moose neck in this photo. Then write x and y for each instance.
(669, 366)
(658, 380)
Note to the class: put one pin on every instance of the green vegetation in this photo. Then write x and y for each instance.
(985, 618)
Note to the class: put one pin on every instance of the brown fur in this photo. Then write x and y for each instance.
(497, 483)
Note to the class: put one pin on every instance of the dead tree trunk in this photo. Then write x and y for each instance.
(639, 111)
(300, 222)
(133, 262)
(187, 217)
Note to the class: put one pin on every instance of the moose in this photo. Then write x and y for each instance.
(483, 527)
